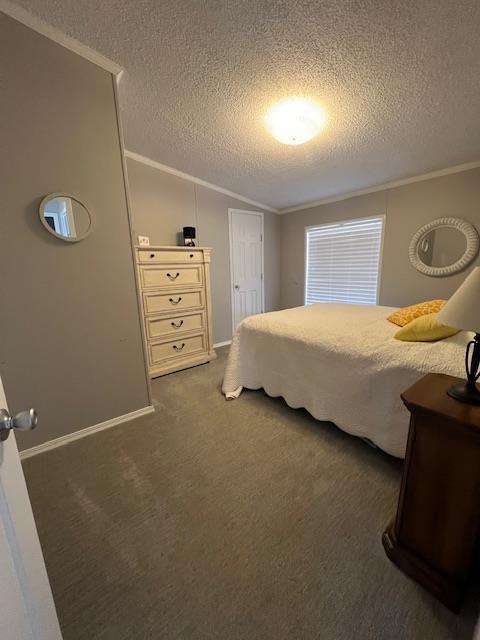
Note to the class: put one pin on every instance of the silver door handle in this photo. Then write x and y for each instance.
(23, 421)
(237, 287)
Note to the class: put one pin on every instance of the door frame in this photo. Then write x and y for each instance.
(230, 237)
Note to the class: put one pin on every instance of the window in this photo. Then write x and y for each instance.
(342, 261)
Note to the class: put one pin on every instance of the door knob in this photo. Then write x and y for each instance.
(23, 421)
(237, 287)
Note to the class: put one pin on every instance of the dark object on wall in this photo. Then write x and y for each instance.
(434, 535)
(189, 236)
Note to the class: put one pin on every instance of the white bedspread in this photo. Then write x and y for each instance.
(341, 363)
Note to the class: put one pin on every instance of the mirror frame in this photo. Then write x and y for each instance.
(471, 236)
(61, 194)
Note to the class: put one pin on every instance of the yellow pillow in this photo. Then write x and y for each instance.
(407, 314)
(425, 329)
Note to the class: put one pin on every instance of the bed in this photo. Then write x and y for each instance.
(341, 363)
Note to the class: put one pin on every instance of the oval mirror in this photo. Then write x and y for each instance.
(65, 217)
(444, 246)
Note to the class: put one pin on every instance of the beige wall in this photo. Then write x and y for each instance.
(163, 203)
(69, 326)
(406, 209)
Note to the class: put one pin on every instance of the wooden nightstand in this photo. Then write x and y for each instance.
(434, 535)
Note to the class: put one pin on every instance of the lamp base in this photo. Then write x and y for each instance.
(465, 393)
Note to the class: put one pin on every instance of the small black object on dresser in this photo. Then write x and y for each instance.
(189, 235)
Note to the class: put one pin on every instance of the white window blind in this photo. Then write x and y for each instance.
(342, 261)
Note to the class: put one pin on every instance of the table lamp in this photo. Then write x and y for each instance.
(462, 311)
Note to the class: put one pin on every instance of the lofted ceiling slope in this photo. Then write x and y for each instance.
(400, 82)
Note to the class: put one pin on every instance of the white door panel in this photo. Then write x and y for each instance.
(28, 611)
(246, 244)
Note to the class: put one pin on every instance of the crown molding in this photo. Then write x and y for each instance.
(33, 22)
(382, 187)
(186, 176)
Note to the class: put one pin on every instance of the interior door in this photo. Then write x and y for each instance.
(28, 611)
(246, 247)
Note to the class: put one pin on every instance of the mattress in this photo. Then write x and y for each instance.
(341, 363)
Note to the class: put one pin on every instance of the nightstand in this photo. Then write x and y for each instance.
(435, 532)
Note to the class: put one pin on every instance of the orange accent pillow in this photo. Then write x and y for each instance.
(401, 317)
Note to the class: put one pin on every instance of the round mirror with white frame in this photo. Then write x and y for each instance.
(444, 246)
(65, 217)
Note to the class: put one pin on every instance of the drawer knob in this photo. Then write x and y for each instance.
(152, 255)
(177, 326)
(169, 275)
(174, 301)
(177, 348)
(191, 255)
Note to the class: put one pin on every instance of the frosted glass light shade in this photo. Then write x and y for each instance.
(295, 120)
(462, 311)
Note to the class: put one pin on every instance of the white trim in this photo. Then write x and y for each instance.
(76, 435)
(222, 344)
(380, 260)
(202, 183)
(230, 239)
(37, 24)
(132, 236)
(230, 255)
(383, 187)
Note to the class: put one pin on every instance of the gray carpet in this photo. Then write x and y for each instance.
(224, 520)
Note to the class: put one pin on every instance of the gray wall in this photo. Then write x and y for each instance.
(163, 203)
(69, 326)
(406, 209)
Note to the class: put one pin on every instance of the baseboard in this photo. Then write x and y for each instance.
(222, 344)
(82, 433)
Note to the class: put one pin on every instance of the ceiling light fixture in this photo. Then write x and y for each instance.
(295, 120)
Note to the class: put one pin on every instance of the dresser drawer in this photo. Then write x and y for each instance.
(160, 327)
(152, 256)
(167, 350)
(170, 276)
(172, 301)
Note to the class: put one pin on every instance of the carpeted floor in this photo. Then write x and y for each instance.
(241, 520)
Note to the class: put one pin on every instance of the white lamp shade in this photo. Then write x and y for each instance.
(462, 311)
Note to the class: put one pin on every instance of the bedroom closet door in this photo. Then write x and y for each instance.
(246, 264)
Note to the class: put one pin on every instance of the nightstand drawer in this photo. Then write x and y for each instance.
(173, 301)
(160, 352)
(160, 327)
(170, 276)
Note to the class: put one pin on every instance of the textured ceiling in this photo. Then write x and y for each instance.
(400, 81)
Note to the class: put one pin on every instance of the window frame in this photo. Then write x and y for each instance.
(380, 216)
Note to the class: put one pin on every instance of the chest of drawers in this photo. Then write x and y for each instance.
(174, 284)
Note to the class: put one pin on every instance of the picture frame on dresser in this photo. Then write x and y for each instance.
(176, 308)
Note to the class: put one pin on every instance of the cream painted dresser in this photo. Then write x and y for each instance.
(176, 304)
